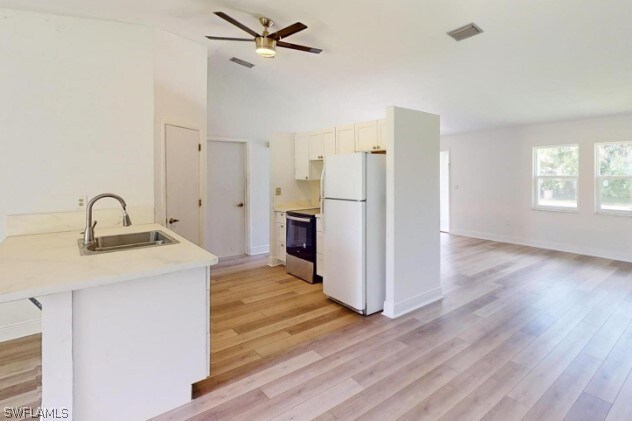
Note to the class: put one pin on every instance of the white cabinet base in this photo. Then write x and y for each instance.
(135, 347)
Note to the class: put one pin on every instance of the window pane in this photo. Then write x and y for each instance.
(559, 160)
(615, 159)
(616, 194)
(555, 192)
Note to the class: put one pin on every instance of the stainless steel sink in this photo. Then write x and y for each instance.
(111, 243)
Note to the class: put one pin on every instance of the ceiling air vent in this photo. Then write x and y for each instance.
(242, 62)
(464, 32)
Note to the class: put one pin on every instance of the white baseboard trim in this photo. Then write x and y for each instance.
(394, 310)
(549, 245)
(20, 329)
(253, 251)
(273, 261)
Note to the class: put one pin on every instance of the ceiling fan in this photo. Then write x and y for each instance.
(266, 43)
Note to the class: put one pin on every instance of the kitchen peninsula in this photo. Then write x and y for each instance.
(123, 333)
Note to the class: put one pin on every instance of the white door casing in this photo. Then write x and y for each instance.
(226, 198)
(182, 181)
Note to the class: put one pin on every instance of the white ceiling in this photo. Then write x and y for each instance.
(537, 61)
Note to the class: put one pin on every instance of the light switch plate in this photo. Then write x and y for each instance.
(277, 191)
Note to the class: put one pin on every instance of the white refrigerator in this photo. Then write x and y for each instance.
(353, 207)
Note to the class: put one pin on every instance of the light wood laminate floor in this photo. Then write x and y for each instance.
(20, 373)
(521, 333)
(259, 312)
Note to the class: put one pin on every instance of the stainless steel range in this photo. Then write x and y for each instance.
(301, 244)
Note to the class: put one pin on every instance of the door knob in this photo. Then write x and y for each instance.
(240, 205)
(173, 220)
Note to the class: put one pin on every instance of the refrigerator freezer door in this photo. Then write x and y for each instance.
(345, 176)
(345, 252)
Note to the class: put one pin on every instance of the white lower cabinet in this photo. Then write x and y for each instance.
(320, 261)
(281, 229)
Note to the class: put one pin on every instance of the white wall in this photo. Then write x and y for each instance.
(78, 117)
(76, 112)
(180, 76)
(282, 172)
(491, 181)
(412, 210)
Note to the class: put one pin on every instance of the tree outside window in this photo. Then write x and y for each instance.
(555, 177)
(614, 177)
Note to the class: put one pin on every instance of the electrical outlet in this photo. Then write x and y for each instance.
(82, 201)
(277, 191)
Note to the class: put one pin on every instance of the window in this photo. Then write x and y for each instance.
(614, 177)
(555, 175)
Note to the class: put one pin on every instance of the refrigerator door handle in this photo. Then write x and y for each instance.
(322, 198)
(322, 215)
(322, 184)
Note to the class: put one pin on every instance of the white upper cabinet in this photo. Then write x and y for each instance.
(329, 141)
(366, 136)
(316, 146)
(345, 139)
(381, 135)
(301, 156)
(321, 144)
(310, 148)
(308, 156)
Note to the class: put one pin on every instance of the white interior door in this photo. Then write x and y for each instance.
(182, 176)
(444, 189)
(226, 197)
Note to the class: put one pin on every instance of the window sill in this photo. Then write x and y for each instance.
(614, 213)
(560, 210)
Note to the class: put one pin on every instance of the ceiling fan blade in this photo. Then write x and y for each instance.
(286, 32)
(237, 24)
(298, 47)
(230, 39)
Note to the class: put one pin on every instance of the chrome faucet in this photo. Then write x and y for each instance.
(88, 234)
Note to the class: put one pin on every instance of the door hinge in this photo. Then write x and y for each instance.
(199, 147)
(200, 202)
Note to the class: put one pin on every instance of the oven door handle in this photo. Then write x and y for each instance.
(294, 218)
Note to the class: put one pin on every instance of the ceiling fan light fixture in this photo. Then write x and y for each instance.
(266, 47)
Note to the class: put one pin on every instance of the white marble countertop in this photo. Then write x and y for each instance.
(42, 264)
(284, 207)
